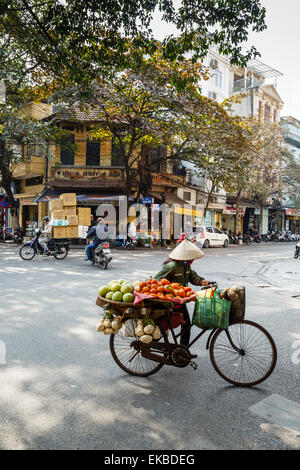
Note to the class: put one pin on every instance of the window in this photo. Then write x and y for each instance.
(92, 153)
(34, 181)
(267, 113)
(216, 230)
(218, 79)
(67, 153)
(209, 229)
(187, 195)
(30, 150)
(116, 154)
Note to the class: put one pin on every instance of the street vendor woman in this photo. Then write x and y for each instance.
(177, 268)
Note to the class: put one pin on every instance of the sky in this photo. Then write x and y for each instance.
(279, 47)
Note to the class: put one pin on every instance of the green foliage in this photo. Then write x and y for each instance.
(87, 38)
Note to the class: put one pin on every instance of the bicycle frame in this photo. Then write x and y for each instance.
(204, 330)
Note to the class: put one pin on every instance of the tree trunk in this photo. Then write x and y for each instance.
(261, 218)
(7, 179)
(237, 208)
(208, 199)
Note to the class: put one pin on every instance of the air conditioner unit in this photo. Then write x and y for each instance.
(214, 64)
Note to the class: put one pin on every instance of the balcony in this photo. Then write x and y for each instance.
(30, 169)
(241, 85)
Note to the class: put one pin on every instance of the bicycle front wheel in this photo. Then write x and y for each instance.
(244, 355)
(27, 252)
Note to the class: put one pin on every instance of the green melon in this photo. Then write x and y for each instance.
(128, 297)
(103, 290)
(116, 287)
(117, 297)
(109, 295)
(126, 289)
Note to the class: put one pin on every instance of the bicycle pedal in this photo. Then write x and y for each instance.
(193, 365)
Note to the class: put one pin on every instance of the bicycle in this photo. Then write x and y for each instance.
(244, 355)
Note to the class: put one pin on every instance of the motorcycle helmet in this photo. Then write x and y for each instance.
(46, 218)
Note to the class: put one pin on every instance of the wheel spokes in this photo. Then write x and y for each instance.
(254, 359)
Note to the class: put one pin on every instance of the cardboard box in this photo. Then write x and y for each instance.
(56, 205)
(82, 231)
(59, 232)
(84, 215)
(72, 219)
(71, 232)
(68, 199)
(58, 215)
(70, 210)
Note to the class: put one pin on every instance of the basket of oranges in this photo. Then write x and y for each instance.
(163, 290)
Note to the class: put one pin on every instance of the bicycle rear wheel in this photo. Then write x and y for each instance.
(244, 355)
(126, 356)
(61, 252)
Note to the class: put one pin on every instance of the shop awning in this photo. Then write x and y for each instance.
(86, 198)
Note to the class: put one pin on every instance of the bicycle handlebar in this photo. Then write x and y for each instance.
(209, 286)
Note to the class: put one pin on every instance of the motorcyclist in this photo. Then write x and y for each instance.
(99, 234)
(46, 235)
(177, 268)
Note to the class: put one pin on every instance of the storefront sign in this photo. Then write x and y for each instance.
(232, 210)
(292, 212)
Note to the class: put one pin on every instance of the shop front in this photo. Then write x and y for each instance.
(292, 220)
(229, 219)
(276, 220)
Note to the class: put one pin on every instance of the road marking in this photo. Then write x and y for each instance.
(279, 410)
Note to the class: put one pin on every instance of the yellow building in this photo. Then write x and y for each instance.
(92, 169)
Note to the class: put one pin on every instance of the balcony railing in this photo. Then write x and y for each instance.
(240, 85)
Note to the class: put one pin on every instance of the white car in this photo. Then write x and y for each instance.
(211, 236)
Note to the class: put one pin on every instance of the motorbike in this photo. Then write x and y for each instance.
(130, 243)
(256, 238)
(18, 236)
(297, 251)
(247, 238)
(101, 255)
(275, 236)
(58, 248)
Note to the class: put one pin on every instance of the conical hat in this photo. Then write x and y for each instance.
(185, 251)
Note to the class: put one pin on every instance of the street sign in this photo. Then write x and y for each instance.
(147, 200)
(4, 204)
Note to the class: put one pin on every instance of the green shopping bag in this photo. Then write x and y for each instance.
(211, 312)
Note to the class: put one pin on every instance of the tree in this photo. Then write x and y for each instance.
(223, 161)
(159, 104)
(267, 164)
(89, 38)
(291, 179)
(15, 131)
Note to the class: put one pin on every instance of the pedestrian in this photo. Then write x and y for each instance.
(177, 268)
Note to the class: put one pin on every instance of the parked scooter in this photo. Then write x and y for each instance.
(247, 238)
(18, 236)
(58, 248)
(130, 243)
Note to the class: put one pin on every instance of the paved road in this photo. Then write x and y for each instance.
(60, 388)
